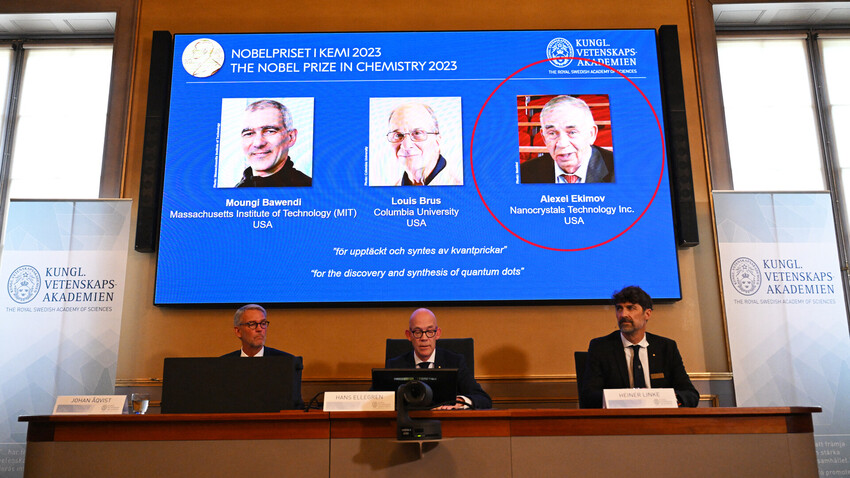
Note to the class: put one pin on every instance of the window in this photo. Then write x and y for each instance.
(59, 122)
(835, 52)
(771, 120)
(787, 104)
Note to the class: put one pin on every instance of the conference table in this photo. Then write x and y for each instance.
(706, 442)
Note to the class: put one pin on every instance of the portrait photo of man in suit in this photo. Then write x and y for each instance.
(569, 131)
(631, 357)
(423, 332)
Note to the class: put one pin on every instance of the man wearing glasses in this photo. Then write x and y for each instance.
(423, 333)
(569, 132)
(250, 325)
(267, 135)
(414, 137)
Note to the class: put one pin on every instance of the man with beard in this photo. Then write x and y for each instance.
(633, 358)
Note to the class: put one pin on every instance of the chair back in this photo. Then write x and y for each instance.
(581, 362)
(464, 346)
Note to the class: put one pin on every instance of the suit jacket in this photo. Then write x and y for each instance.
(297, 403)
(466, 384)
(606, 368)
(600, 168)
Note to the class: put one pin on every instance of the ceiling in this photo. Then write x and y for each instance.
(781, 15)
(57, 24)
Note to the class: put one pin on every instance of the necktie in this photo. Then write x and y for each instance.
(637, 368)
(424, 365)
(570, 178)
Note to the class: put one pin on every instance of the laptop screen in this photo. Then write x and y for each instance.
(443, 381)
(228, 384)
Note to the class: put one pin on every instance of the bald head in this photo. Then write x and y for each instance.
(419, 315)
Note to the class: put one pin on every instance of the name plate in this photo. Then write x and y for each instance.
(359, 401)
(639, 398)
(90, 405)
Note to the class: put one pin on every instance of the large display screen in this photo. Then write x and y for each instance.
(421, 167)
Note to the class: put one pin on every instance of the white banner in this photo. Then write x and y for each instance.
(785, 310)
(63, 268)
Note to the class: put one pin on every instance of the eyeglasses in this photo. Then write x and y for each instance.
(417, 136)
(253, 325)
(418, 333)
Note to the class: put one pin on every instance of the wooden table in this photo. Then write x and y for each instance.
(776, 442)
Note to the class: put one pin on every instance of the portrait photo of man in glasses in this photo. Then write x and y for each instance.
(418, 148)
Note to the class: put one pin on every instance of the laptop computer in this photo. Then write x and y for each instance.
(228, 384)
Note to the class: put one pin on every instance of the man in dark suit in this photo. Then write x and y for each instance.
(611, 361)
(423, 333)
(569, 132)
(250, 326)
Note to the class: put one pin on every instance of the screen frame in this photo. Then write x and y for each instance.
(662, 89)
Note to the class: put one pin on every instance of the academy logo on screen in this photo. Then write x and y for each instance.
(745, 276)
(559, 47)
(203, 58)
(24, 283)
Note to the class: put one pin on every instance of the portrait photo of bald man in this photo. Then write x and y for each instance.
(415, 142)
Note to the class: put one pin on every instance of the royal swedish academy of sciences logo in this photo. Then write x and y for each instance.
(745, 276)
(559, 47)
(24, 284)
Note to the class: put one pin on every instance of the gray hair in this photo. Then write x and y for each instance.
(284, 111)
(566, 100)
(237, 318)
(427, 108)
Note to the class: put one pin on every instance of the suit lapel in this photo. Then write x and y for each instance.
(656, 365)
(410, 362)
(439, 359)
(596, 168)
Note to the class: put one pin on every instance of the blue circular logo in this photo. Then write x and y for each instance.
(559, 47)
(745, 276)
(24, 284)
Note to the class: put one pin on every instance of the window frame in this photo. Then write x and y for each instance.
(12, 96)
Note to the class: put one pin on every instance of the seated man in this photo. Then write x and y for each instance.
(423, 333)
(611, 360)
(250, 325)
